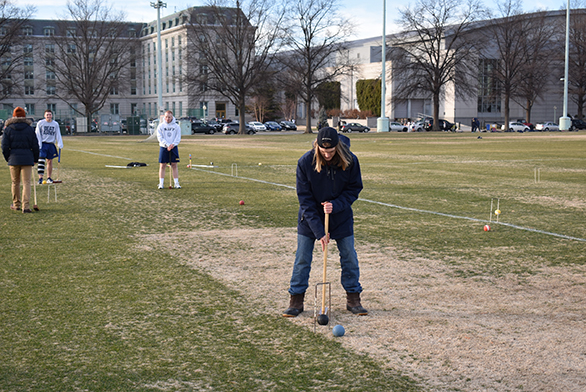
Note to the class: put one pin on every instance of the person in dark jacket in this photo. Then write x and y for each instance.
(20, 148)
(328, 181)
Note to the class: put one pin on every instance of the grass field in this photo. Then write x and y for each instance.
(94, 294)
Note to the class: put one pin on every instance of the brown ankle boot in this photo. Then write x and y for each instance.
(295, 305)
(353, 304)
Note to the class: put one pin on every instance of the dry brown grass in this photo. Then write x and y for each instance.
(472, 334)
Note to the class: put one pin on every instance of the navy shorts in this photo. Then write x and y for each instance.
(168, 156)
(48, 151)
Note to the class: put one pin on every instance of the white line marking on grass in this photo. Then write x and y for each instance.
(416, 209)
(102, 155)
(475, 220)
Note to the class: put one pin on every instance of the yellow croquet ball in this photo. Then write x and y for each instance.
(497, 212)
(44, 181)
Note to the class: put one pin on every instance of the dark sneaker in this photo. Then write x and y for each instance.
(40, 181)
(27, 211)
(49, 180)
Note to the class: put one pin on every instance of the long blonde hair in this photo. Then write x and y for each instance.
(342, 159)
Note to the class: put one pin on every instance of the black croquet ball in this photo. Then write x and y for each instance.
(323, 319)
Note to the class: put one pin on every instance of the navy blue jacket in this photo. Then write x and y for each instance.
(339, 187)
(20, 146)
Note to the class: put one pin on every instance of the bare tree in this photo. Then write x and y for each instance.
(233, 48)
(437, 49)
(512, 36)
(317, 49)
(13, 21)
(90, 55)
(537, 69)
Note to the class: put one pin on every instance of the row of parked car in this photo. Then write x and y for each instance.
(548, 126)
(230, 127)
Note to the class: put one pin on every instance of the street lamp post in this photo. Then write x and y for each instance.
(382, 123)
(158, 5)
(565, 121)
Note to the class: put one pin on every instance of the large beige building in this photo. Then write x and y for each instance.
(139, 96)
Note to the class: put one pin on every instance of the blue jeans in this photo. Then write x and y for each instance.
(302, 267)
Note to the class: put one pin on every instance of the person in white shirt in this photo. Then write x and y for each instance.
(169, 136)
(48, 133)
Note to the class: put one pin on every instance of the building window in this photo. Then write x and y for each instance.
(71, 48)
(28, 61)
(133, 109)
(49, 31)
(27, 48)
(73, 107)
(29, 75)
(27, 31)
(30, 109)
(50, 75)
(29, 90)
(70, 33)
(114, 109)
(52, 107)
(489, 97)
(51, 90)
(114, 90)
(50, 48)
(49, 62)
(180, 109)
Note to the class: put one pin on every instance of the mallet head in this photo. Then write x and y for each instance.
(323, 319)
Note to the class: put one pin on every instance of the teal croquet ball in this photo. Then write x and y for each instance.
(338, 330)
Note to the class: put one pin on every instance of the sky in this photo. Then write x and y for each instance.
(365, 14)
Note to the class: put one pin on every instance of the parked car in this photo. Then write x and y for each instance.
(547, 127)
(525, 122)
(202, 127)
(515, 127)
(273, 126)
(577, 124)
(288, 125)
(257, 126)
(354, 127)
(395, 126)
(217, 125)
(444, 125)
(233, 128)
(418, 126)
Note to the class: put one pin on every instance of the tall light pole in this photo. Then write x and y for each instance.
(565, 121)
(382, 123)
(158, 5)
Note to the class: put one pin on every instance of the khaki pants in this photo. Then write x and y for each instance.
(21, 174)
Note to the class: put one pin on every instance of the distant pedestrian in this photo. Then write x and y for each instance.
(20, 148)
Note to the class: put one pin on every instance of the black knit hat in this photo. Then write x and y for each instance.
(327, 137)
